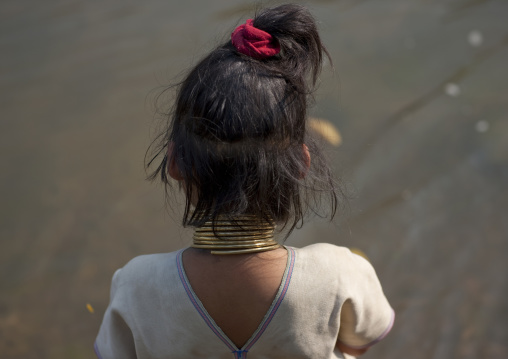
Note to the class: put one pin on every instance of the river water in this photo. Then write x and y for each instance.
(419, 97)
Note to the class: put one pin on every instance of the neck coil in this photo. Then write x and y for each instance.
(245, 234)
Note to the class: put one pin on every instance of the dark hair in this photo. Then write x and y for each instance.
(239, 124)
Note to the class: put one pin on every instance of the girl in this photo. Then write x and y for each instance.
(237, 145)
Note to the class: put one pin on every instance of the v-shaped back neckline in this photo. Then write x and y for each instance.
(279, 297)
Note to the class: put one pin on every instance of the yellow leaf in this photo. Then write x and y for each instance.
(359, 252)
(89, 307)
(326, 129)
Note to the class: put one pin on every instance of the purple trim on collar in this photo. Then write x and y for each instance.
(96, 350)
(238, 353)
(203, 315)
(378, 339)
(279, 301)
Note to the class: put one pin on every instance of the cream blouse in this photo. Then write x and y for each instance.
(326, 293)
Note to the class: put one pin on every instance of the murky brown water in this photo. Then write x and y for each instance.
(430, 169)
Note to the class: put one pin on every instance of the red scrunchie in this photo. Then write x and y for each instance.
(254, 42)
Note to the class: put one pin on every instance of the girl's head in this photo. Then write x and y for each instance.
(236, 137)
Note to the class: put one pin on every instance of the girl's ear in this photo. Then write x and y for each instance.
(306, 160)
(173, 170)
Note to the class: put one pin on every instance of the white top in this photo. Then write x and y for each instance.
(326, 293)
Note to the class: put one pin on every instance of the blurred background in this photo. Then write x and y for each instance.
(419, 98)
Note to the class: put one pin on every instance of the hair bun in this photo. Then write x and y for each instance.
(254, 42)
(297, 35)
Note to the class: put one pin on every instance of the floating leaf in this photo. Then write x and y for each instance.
(326, 129)
(89, 307)
(359, 252)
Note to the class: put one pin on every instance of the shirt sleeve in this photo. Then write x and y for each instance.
(366, 316)
(115, 339)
